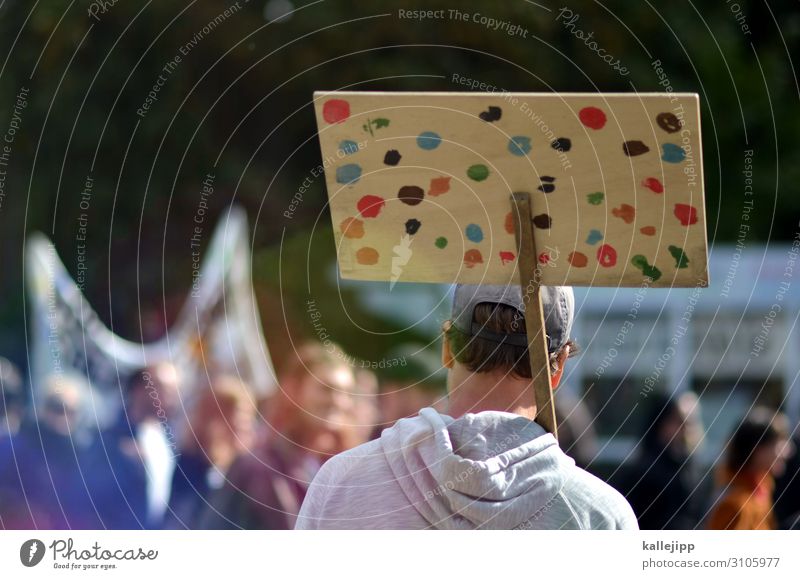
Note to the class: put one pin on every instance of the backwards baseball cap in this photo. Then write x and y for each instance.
(558, 305)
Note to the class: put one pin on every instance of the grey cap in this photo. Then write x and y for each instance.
(558, 305)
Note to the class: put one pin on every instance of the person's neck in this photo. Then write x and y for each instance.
(479, 392)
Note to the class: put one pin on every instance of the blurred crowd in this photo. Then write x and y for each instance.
(230, 460)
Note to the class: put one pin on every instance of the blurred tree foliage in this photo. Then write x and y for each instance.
(238, 106)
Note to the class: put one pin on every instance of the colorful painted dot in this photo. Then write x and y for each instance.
(635, 148)
(562, 144)
(607, 255)
(592, 117)
(367, 256)
(509, 223)
(594, 236)
(681, 260)
(672, 153)
(412, 226)
(686, 214)
(544, 258)
(491, 114)
(348, 147)
(519, 146)
(478, 172)
(595, 198)
(669, 122)
(472, 258)
(438, 186)
(370, 205)
(411, 194)
(577, 259)
(348, 174)
(506, 257)
(335, 111)
(428, 140)
(474, 233)
(651, 271)
(392, 157)
(648, 230)
(352, 228)
(625, 212)
(543, 221)
(441, 242)
(653, 184)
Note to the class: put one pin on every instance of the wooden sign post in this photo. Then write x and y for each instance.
(419, 187)
(534, 316)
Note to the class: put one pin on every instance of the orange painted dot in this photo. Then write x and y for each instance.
(577, 259)
(352, 228)
(439, 185)
(510, 223)
(648, 230)
(625, 212)
(367, 256)
(472, 258)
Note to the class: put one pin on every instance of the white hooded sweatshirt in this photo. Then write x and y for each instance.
(491, 470)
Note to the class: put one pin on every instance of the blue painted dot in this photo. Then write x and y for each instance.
(348, 174)
(348, 147)
(594, 236)
(672, 153)
(428, 140)
(474, 233)
(519, 146)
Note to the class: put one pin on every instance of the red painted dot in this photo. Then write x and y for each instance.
(607, 255)
(653, 184)
(686, 214)
(370, 205)
(592, 117)
(506, 257)
(544, 258)
(335, 110)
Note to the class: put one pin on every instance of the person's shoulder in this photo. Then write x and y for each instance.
(341, 465)
(598, 504)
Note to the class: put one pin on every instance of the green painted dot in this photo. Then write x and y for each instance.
(681, 261)
(478, 172)
(595, 198)
(441, 242)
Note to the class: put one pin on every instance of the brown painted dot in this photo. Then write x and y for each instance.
(411, 194)
(543, 221)
(634, 148)
(472, 258)
(367, 256)
(669, 122)
(352, 228)
(412, 226)
(392, 157)
(509, 223)
(577, 259)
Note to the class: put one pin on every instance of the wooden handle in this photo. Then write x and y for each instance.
(534, 316)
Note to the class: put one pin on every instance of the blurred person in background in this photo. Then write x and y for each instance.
(45, 474)
(576, 433)
(220, 428)
(662, 483)
(140, 449)
(12, 398)
(312, 417)
(787, 490)
(412, 379)
(756, 454)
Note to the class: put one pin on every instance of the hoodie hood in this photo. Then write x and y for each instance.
(492, 470)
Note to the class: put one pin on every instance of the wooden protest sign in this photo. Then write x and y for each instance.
(420, 187)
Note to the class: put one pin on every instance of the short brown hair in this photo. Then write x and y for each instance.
(481, 355)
